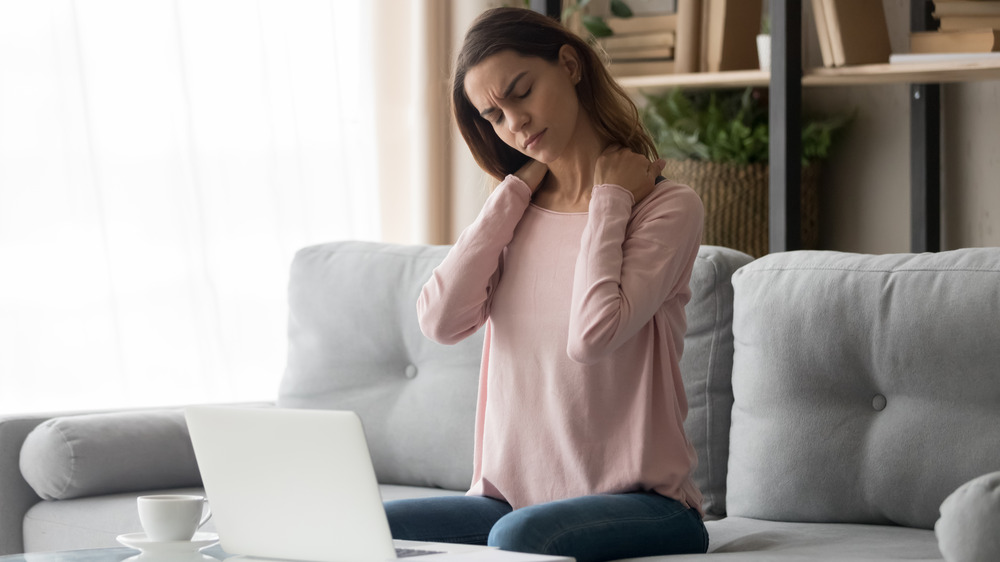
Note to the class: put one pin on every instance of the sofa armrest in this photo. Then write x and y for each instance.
(16, 494)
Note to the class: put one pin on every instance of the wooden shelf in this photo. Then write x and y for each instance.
(730, 79)
(901, 73)
(908, 73)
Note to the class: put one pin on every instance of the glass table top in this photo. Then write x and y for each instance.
(118, 554)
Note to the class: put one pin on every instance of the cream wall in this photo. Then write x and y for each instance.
(470, 185)
(865, 192)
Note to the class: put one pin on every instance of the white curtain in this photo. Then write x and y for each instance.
(160, 162)
(434, 189)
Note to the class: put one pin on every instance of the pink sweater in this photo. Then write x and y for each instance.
(580, 391)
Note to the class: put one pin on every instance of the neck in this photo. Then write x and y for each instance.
(571, 177)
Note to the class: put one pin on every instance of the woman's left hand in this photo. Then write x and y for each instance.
(620, 166)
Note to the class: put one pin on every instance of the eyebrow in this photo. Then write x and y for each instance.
(510, 88)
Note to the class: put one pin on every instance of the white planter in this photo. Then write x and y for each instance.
(764, 51)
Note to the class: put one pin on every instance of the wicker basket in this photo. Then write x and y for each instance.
(736, 202)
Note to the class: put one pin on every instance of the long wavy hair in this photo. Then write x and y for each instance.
(529, 33)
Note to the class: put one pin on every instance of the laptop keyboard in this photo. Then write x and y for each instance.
(408, 552)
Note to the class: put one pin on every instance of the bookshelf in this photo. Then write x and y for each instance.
(786, 81)
(930, 72)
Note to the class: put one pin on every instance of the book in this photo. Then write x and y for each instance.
(644, 68)
(645, 53)
(858, 32)
(652, 7)
(963, 41)
(643, 24)
(638, 40)
(954, 23)
(819, 14)
(703, 40)
(966, 8)
(688, 36)
(733, 26)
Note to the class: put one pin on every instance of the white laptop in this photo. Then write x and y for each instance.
(299, 485)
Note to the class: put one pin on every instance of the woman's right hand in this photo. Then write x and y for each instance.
(532, 174)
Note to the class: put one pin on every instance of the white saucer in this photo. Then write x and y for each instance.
(171, 557)
(141, 542)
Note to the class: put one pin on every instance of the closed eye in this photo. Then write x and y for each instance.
(499, 118)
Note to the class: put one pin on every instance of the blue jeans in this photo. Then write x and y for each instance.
(588, 528)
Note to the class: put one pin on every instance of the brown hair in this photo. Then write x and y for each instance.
(529, 33)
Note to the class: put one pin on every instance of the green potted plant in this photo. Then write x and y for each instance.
(595, 25)
(717, 142)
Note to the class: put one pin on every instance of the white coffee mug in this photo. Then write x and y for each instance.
(172, 517)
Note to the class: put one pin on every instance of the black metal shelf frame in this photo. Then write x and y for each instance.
(786, 141)
(785, 122)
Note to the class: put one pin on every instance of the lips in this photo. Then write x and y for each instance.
(533, 139)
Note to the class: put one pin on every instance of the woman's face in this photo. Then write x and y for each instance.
(530, 102)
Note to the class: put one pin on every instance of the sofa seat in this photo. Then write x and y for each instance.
(94, 522)
(739, 539)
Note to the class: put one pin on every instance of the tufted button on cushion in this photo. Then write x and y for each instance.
(969, 527)
(411, 371)
(878, 402)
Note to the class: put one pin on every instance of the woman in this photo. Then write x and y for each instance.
(578, 266)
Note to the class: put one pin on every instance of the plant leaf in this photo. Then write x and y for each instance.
(620, 9)
(596, 26)
(727, 126)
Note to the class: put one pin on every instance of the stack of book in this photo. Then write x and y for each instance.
(717, 35)
(641, 45)
(851, 32)
(966, 26)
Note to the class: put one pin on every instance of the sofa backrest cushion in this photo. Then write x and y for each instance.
(707, 365)
(354, 343)
(866, 387)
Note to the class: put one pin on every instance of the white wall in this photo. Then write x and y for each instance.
(865, 191)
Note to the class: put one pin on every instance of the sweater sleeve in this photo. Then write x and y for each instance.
(455, 302)
(624, 273)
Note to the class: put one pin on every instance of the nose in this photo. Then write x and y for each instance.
(517, 120)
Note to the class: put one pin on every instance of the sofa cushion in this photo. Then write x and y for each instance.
(737, 539)
(95, 454)
(969, 527)
(706, 367)
(94, 522)
(354, 344)
(865, 387)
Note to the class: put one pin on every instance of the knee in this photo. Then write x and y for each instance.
(522, 531)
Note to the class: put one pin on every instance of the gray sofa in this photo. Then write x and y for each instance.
(836, 400)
